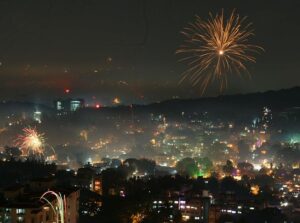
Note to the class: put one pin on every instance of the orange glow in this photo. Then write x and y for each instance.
(97, 183)
(137, 218)
(255, 190)
(116, 101)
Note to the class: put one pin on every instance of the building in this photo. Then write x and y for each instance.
(97, 184)
(23, 205)
(192, 210)
(68, 105)
(37, 116)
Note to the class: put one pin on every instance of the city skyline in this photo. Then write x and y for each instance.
(149, 111)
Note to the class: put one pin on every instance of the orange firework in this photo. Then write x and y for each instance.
(31, 142)
(217, 47)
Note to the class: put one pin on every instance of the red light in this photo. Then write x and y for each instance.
(67, 91)
(98, 106)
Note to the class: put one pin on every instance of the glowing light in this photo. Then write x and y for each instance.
(2, 130)
(263, 152)
(185, 217)
(108, 59)
(137, 218)
(238, 178)
(257, 166)
(216, 48)
(116, 101)
(153, 141)
(84, 135)
(284, 204)
(255, 190)
(67, 90)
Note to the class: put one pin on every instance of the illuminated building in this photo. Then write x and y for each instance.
(68, 105)
(97, 185)
(75, 105)
(59, 105)
(191, 210)
(37, 116)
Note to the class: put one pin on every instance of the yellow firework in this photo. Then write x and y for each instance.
(217, 47)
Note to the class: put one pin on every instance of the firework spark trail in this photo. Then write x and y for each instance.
(31, 142)
(215, 48)
(60, 205)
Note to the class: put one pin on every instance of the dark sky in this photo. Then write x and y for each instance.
(103, 49)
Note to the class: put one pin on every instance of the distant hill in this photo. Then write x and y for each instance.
(221, 106)
(280, 99)
(228, 106)
(22, 106)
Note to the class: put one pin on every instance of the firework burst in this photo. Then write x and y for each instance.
(217, 47)
(31, 142)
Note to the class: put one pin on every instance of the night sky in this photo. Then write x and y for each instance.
(105, 49)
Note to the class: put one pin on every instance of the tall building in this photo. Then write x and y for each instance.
(68, 105)
(206, 206)
(37, 116)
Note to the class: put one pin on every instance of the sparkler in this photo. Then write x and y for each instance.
(60, 208)
(217, 47)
